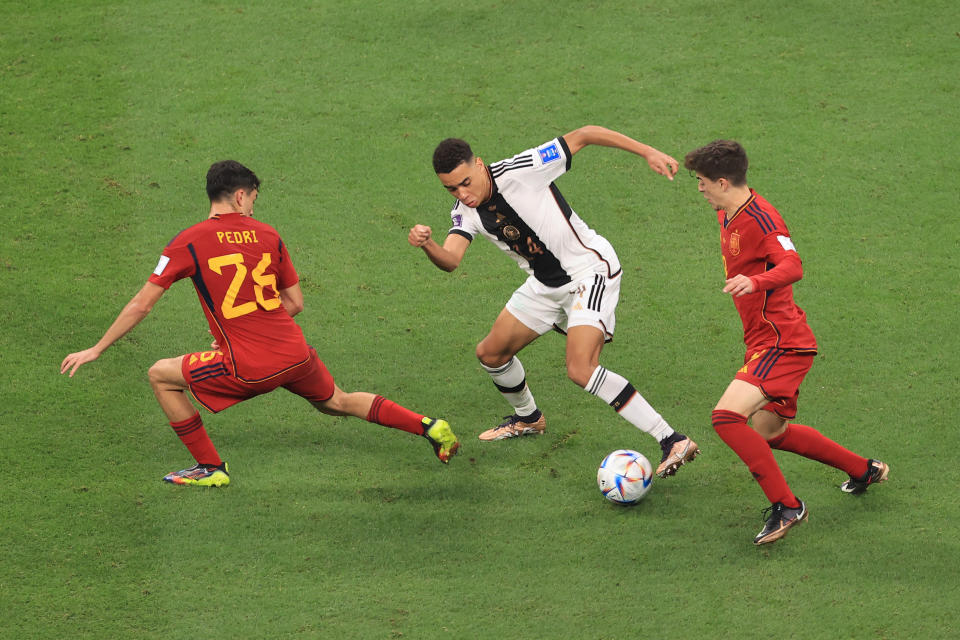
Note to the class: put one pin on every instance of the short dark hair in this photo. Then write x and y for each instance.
(449, 154)
(720, 159)
(226, 176)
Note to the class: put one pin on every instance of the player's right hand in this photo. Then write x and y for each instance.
(419, 235)
(73, 361)
(662, 163)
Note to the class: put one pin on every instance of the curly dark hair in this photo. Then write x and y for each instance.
(720, 159)
(449, 154)
(226, 176)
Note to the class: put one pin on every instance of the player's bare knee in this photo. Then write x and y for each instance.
(335, 405)
(166, 375)
(331, 406)
(156, 373)
(768, 424)
(481, 353)
(490, 358)
(580, 373)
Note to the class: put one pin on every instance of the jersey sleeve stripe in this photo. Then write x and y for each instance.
(767, 225)
(497, 169)
(566, 152)
(460, 232)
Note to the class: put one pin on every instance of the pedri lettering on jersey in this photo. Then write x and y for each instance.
(549, 153)
(237, 237)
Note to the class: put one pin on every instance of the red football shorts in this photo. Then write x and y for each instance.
(778, 374)
(215, 388)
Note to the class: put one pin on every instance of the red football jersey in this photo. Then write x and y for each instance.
(238, 265)
(755, 242)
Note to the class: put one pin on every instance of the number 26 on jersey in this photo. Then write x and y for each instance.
(261, 280)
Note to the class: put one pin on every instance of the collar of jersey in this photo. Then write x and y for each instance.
(753, 196)
(494, 190)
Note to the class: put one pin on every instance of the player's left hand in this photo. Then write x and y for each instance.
(739, 285)
(73, 361)
(663, 164)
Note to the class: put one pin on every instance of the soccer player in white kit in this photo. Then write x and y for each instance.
(573, 282)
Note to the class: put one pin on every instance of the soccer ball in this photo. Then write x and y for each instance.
(625, 476)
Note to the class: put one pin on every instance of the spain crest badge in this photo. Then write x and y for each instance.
(734, 244)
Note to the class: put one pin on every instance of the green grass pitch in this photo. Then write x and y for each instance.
(110, 114)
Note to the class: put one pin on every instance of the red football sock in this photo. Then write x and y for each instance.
(390, 414)
(756, 454)
(810, 443)
(194, 436)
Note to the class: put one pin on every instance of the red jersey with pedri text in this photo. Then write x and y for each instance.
(238, 266)
(755, 242)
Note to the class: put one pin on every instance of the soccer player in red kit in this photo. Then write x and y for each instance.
(249, 292)
(761, 263)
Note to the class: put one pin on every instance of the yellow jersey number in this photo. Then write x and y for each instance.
(228, 307)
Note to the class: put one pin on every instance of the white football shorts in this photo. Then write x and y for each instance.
(591, 301)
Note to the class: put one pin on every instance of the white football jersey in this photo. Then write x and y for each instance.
(528, 219)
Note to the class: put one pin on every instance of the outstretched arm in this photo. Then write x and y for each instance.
(135, 311)
(660, 162)
(448, 256)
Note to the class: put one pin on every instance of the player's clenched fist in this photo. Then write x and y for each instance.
(419, 235)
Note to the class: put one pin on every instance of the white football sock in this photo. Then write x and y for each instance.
(617, 391)
(511, 381)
